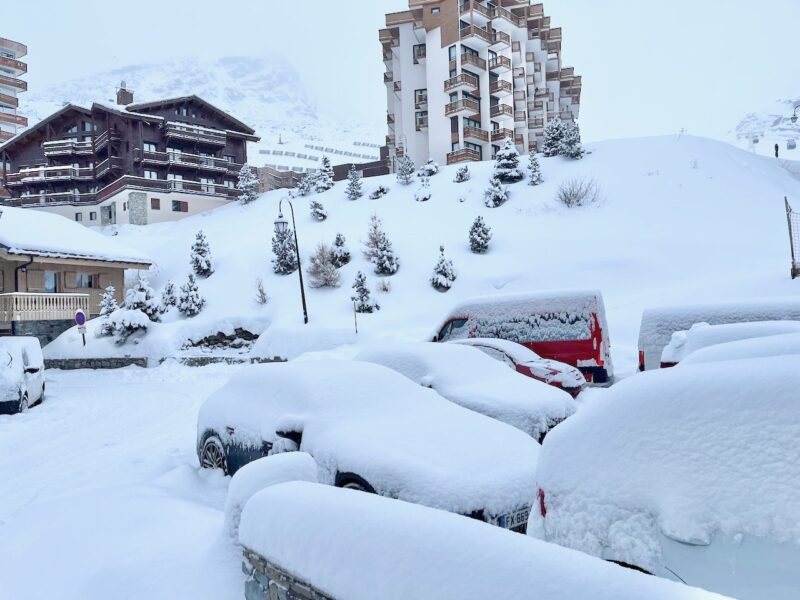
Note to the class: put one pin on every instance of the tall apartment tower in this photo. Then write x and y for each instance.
(10, 85)
(463, 75)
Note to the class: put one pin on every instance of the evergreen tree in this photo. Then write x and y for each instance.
(496, 194)
(168, 297)
(317, 210)
(321, 270)
(354, 191)
(340, 255)
(285, 259)
(479, 236)
(405, 170)
(323, 180)
(108, 304)
(306, 184)
(443, 273)
(378, 249)
(247, 184)
(190, 302)
(379, 192)
(570, 145)
(429, 169)
(125, 322)
(506, 167)
(200, 256)
(535, 169)
(142, 298)
(423, 194)
(553, 133)
(361, 295)
(462, 174)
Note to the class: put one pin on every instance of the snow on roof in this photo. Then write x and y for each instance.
(772, 345)
(31, 232)
(518, 353)
(685, 452)
(356, 546)
(577, 301)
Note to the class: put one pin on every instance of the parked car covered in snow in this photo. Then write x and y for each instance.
(468, 377)
(569, 327)
(21, 374)
(371, 429)
(760, 347)
(526, 361)
(658, 324)
(700, 481)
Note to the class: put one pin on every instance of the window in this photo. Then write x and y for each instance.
(207, 185)
(78, 217)
(435, 10)
(150, 147)
(228, 183)
(155, 204)
(93, 216)
(87, 126)
(420, 96)
(50, 282)
(180, 206)
(124, 206)
(148, 174)
(73, 129)
(229, 157)
(84, 280)
(184, 111)
(452, 52)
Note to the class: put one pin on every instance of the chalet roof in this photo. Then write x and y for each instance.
(238, 125)
(43, 123)
(124, 112)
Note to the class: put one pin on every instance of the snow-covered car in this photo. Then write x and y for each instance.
(371, 429)
(760, 347)
(21, 374)
(703, 335)
(360, 547)
(468, 377)
(699, 482)
(526, 361)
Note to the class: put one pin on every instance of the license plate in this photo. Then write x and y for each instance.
(515, 519)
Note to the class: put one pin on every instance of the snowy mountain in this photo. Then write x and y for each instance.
(760, 131)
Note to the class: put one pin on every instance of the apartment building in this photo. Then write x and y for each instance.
(463, 75)
(128, 163)
(11, 68)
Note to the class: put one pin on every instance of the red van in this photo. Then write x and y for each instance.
(566, 326)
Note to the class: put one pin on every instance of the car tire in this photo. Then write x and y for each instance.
(351, 481)
(23, 403)
(212, 454)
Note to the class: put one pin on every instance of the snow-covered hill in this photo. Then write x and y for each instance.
(682, 220)
(760, 131)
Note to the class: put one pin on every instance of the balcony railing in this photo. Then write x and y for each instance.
(184, 159)
(421, 101)
(388, 77)
(42, 174)
(476, 134)
(59, 147)
(500, 63)
(15, 65)
(7, 100)
(463, 155)
(165, 185)
(503, 13)
(6, 135)
(501, 38)
(470, 59)
(105, 166)
(389, 36)
(500, 88)
(535, 123)
(498, 135)
(475, 32)
(108, 135)
(196, 134)
(422, 123)
(520, 116)
(468, 6)
(13, 119)
(463, 105)
(464, 80)
(501, 110)
(55, 199)
(19, 306)
(420, 53)
(13, 82)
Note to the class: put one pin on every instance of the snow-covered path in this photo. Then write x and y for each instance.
(100, 496)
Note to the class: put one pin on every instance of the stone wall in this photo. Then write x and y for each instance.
(68, 364)
(202, 361)
(137, 208)
(45, 331)
(268, 581)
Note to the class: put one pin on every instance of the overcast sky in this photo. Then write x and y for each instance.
(649, 67)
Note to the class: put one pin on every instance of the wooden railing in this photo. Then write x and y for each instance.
(500, 87)
(13, 63)
(469, 31)
(500, 37)
(470, 59)
(499, 62)
(13, 119)
(41, 307)
(476, 133)
(501, 110)
(66, 147)
(459, 80)
(498, 135)
(198, 134)
(463, 155)
(462, 105)
(10, 100)
(18, 84)
(468, 6)
(48, 174)
(102, 139)
(189, 160)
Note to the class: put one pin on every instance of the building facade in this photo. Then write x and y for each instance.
(130, 163)
(11, 68)
(463, 75)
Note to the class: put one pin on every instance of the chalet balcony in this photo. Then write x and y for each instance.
(475, 61)
(67, 148)
(475, 134)
(477, 36)
(102, 140)
(192, 161)
(475, 12)
(107, 166)
(193, 133)
(501, 111)
(19, 306)
(16, 67)
(13, 119)
(464, 107)
(45, 174)
(7, 100)
(500, 64)
(165, 185)
(498, 135)
(501, 88)
(464, 155)
(500, 40)
(461, 83)
(54, 199)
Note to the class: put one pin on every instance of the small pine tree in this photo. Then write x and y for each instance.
(570, 146)
(361, 295)
(340, 255)
(168, 297)
(306, 184)
(443, 273)
(423, 194)
(323, 179)
(142, 298)
(108, 304)
(285, 260)
(378, 249)
(506, 167)
(535, 169)
(200, 257)
(405, 170)
(429, 169)
(318, 211)
(190, 302)
(462, 174)
(321, 270)
(479, 236)
(247, 184)
(353, 191)
(553, 133)
(125, 322)
(496, 194)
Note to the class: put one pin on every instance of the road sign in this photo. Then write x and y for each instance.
(80, 321)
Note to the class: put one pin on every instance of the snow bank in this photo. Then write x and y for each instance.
(289, 342)
(355, 546)
(773, 345)
(260, 474)
(466, 376)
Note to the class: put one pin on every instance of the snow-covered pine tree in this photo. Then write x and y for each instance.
(142, 298)
(126, 322)
(378, 249)
(200, 257)
(496, 194)
(108, 304)
(553, 133)
(168, 297)
(285, 260)
(379, 192)
(306, 184)
(247, 184)
(479, 236)
(318, 211)
(321, 270)
(353, 190)
(570, 146)
(423, 194)
(462, 174)
(361, 295)
(190, 302)
(443, 273)
(340, 255)
(405, 170)
(506, 166)
(535, 177)
(429, 169)
(323, 179)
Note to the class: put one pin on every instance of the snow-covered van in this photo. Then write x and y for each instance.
(567, 326)
(658, 324)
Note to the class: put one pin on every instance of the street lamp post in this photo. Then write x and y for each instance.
(793, 118)
(280, 227)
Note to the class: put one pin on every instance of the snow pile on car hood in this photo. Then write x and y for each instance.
(356, 546)
(688, 452)
(466, 376)
(772, 345)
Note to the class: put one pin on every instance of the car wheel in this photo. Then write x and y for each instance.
(23, 403)
(351, 481)
(212, 456)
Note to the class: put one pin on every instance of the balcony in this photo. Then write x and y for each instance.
(475, 134)
(390, 139)
(55, 199)
(464, 155)
(501, 111)
(6, 135)
(202, 135)
(464, 82)
(388, 77)
(13, 82)
(501, 88)
(507, 15)
(421, 101)
(500, 64)
(500, 40)
(475, 12)
(13, 119)
(104, 138)
(7, 100)
(566, 115)
(192, 161)
(17, 67)
(422, 123)
(498, 135)
(45, 174)
(519, 73)
(477, 36)
(42, 307)
(535, 123)
(520, 116)
(390, 118)
(398, 87)
(420, 54)
(389, 37)
(464, 107)
(106, 166)
(471, 59)
(67, 148)
(165, 185)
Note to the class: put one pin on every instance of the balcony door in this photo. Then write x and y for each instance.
(50, 285)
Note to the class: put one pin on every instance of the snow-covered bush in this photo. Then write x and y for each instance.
(353, 190)
(361, 295)
(321, 270)
(384, 285)
(168, 297)
(443, 273)
(462, 174)
(340, 254)
(261, 294)
(578, 191)
(479, 236)
(247, 185)
(535, 177)
(570, 146)
(318, 211)
(379, 192)
(378, 249)
(323, 179)
(405, 170)
(142, 298)
(506, 166)
(285, 259)
(306, 184)
(429, 169)
(108, 304)
(190, 302)
(423, 194)
(553, 134)
(124, 323)
(496, 194)
(200, 257)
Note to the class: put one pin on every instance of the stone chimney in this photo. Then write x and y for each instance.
(124, 95)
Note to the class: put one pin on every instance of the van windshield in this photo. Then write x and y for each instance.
(542, 327)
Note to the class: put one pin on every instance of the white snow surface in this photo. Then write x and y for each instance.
(356, 546)
(405, 441)
(688, 452)
(468, 377)
(772, 345)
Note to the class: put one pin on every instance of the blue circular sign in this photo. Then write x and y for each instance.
(80, 317)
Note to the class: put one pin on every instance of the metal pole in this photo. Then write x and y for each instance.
(355, 316)
(299, 266)
(795, 271)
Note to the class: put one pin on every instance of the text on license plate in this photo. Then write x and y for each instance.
(515, 519)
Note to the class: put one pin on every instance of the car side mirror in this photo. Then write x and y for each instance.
(32, 370)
